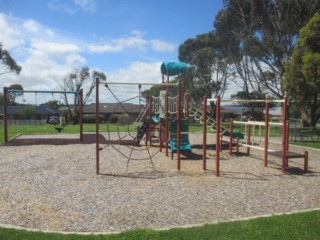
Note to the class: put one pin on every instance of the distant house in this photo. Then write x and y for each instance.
(108, 109)
(41, 113)
(275, 113)
(234, 111)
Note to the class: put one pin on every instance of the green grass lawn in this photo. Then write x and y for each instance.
(14, 130)
(285, 227)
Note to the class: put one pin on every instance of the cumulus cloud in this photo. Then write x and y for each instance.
(73, 7)
(135, 41)
(162, 46)
(87, 5)
(136, 72)
(47, 55)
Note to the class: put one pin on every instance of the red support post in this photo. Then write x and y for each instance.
(217, 135)
(284, 135)
(306, 161)
(149, 129)
(178, 112)
(248, 138)
(81, 115)
(204, 141)
(231, 137)
(166, 124)
(266, 133)
(287, 136)
(186, 104)
(97, 128)
(5, 114)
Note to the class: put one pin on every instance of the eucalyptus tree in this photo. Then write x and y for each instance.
(302, 77)
(210, 69)
(259, 37)
(7, 63)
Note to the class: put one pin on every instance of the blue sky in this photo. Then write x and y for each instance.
(125, 39)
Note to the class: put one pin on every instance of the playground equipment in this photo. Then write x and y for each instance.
(154, 116)
(144, 124)
(171, 122)
(7, 91)
(284, 154)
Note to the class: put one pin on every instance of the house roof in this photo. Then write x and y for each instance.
(39, 109)
(113, 108)
(275, 111)
(234, 109)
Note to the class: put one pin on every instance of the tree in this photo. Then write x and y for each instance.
(7, 63)
(53, 103)
(75, 81)
(255, 108)
(259, 36)
(27, 112)
(302, 78)
(210, 69)
(13, 95)
(1, 98)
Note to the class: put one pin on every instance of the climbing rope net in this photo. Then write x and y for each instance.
(134, 151)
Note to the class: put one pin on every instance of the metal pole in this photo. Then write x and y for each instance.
(231, 137)
(248, 138)
(204, 141)
(5, 114)
(81, 115)
(186, 104)
(284, 137)
(217, 135)
(178, 112)
(97, 128)
(166, 124)
(266, 134)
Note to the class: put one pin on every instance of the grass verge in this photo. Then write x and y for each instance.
(292, 226)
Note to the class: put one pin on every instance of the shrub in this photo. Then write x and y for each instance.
(91, 118)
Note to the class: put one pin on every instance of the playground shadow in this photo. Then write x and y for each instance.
(24, 140)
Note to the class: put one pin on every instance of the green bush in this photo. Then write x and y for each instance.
(113, 119)
(91, 118)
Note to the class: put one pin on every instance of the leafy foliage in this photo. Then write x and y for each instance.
(259, 37)
(27, 112)
(7, 63)
(75, 81)
(13, 95)
(210, 69)
(303, 72)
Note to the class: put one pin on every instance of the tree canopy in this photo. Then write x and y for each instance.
(79, 79)
(13, 95)
(250, 44)
(7, 63)
(210, 69)
(259, 36)
(302, 78)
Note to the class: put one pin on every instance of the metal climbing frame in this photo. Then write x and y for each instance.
(98, 82)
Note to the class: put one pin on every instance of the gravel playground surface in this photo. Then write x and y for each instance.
(55, 187)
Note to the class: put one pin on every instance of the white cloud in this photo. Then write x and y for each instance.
(71, 8)
(137, 72)
(31, 25)
(61, 7)
(53, 47)
(162, 46)
(135, 41)
(47, 55)
(87, 5)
